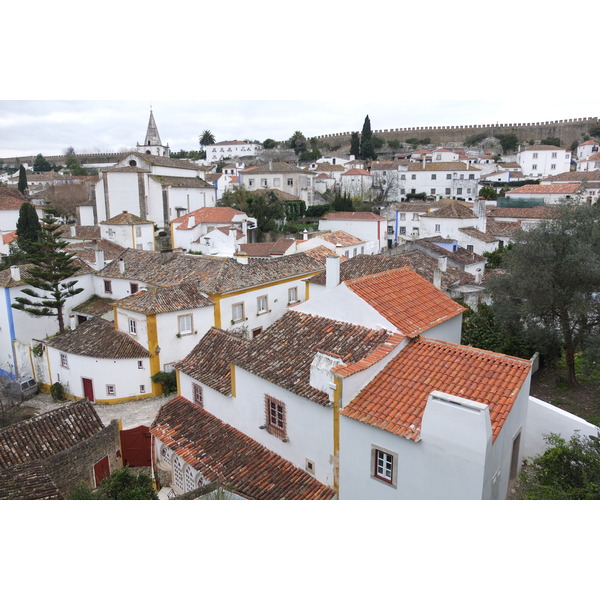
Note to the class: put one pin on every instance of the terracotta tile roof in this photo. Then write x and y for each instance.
(406, 299)
(460, 255)
(283, 196)
(502, 228)
(185, 296)
(225, 455)
(165, 161)
(283, 353)
(328, 168)
(384, 165)
(551, 188)
(6, 279)
(321, 253)
(356, 172)
(9, 237)
(238, 234)
(420, 207)
(536, 212)
(395, 399)
(353, 216)
(125, 218)
(98, 338)
(418, 261)
(455, 209)
(580, 176)
(267, 249)
(342, 238)
(214, 275)
(210, 361)
(86, 251)
(28, 482)
(541, 147)
(89, 232)
(182, 182)
(48, 434)
(10, 198)
(94, 306)
(589, 143)
(215, 214)
(231, 143)
(484, 236)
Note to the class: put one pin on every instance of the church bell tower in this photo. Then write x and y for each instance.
(152, 144)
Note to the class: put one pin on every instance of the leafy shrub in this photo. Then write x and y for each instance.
(167, 380)
(57, 391)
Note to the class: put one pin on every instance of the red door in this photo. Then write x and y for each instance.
(101, 470)
(136, 444)
(88, 389)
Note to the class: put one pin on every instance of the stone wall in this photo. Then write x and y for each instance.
(76, 465)
(568, 130)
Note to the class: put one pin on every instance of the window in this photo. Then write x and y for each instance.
(448, 191)
(290, 181)
(470, 247)
(197, 394)
(250, 182)
(140, 364)
(142, 389)
(438, 228)
(402, 216)
(133, 288)
(462, 176)
(292, 295)
(256, 332)
(185, 324)
(277, 181)
(132, 327)
(264, 182)
(415, 217)
(107, 286)
(275, 415)
(554, 155)
(354, 252)
(534, 167)
(390, 230)
(471, 176)
(64, 361)
(237, 312)
(449, 176)
(402, 231)
(402, 177)
(413, 176)
(553, 167)
(138, 231)
(535, 155)
(111, 389)
(433, 191)
(261, 305)
(347, 253)
(384, 465)
(433, 176)
(459, 190)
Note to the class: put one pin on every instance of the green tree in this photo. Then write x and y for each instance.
(551, 281)
(207, 138)
(269, 144)
(488, 192)
(494, 258)
(312, 154)
(52, 266)
(22, 185)
(123, 484)
(298, 142)
(41, 165)
(266, 208)
(355, 144)
(508, 141)
(551, 141)
(342, 203)
(367, 148)
(567, 470)
(28, 228)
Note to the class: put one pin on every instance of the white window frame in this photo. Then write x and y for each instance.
(384, 466)
(240, 306)
(262, 305)
(64, 360)
(185, 324)
(111, 389)
(292, 295)
(132, 326)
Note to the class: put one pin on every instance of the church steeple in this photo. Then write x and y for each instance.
(152, 143)
(152, 137)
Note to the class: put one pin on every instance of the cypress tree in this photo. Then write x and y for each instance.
(355, 144)
(52, 265)
(367, 150)
(28, 228)
(22, 180)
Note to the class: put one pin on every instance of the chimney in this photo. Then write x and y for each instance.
(443, 263)
(424, 155)
(480, 214)
(437, 279)
(478, 276)
(305, 235)
(72, 321)
(166, 255)
(191, 221)
(100, 264)
(15, 273)
(73, 231)
(122, 266)
(332, 271)
(270, 165)
(242, 258)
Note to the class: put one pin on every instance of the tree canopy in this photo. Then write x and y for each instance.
(266, 208)
(367, 148)
(51, 267)
(551, 282)
(28, 228)
(40, 164)
(355, 144)
(207, 138)
(123, 484)
(22, 185)
(567, 470)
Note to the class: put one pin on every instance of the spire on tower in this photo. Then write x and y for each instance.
(152, 137)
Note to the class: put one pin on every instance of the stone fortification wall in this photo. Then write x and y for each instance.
(568, 130)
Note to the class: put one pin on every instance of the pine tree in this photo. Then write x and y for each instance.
(52, 266)
(367, 150)
(355, 144)
(28, 228)
(22, 180)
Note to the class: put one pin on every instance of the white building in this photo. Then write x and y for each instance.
(357, 182)
(129, 231)
(362, 225)
(550, 193)
(590, 163)
(152, 143)
(222, 151)
(586, 149)
(541, 160)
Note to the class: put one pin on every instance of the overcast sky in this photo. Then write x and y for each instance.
(318, 69)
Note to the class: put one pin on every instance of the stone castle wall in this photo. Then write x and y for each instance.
(568, 130)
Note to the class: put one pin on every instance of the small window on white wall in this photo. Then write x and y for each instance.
(292, 295)
(111, 389)
(132, 327)
(185, 324)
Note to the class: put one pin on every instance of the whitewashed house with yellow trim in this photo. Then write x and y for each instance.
(129, 231)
